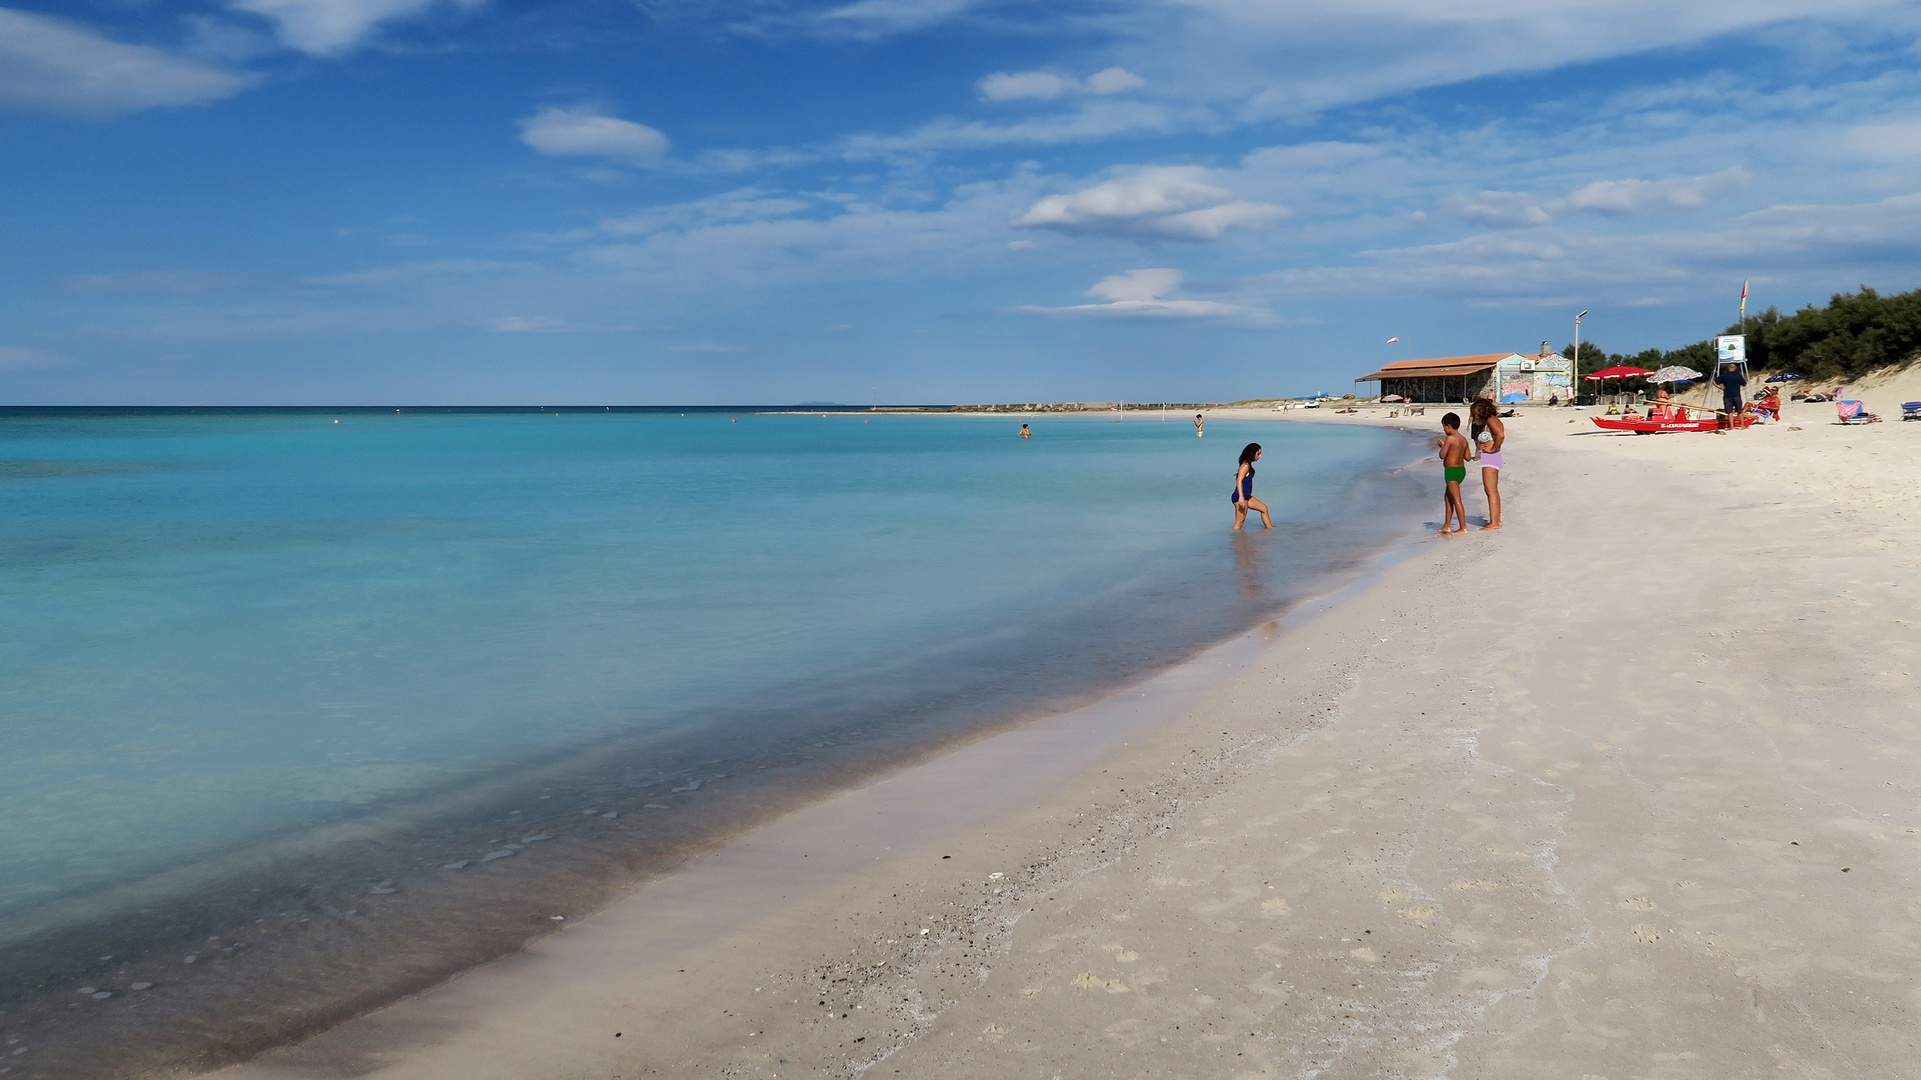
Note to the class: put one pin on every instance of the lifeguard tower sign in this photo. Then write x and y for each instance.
(1732, 349)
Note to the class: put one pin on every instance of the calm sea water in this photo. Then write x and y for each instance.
(217, 629)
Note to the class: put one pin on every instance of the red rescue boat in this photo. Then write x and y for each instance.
(1643, 426)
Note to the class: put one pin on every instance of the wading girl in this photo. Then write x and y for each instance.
(1243, 496)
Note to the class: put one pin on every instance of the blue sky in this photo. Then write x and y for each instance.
(637, 201)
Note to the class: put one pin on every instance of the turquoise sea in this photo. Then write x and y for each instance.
(236, 644)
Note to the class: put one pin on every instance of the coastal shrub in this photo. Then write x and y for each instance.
(1854, 334)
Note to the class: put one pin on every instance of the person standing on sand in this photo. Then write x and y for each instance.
(1026, 434)
(1453, 470)
(1243, 495)
(1484, 423)
(1731, 381)
(1199, 427)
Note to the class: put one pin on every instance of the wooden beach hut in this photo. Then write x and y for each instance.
(1440, 380)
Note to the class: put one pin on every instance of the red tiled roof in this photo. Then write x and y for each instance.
(1445, 365)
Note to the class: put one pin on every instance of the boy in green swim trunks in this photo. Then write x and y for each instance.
(1454, 468)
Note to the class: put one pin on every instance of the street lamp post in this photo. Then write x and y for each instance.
(1574, 364)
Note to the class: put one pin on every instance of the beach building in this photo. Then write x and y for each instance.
(1513, 377)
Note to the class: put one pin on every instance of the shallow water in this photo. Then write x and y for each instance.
(229, 641)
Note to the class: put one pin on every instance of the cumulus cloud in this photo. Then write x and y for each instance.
(52, 65)
(1114, 80)
(1510, 209)
(329, 27)
(1141, 294)
(1152, 204)
(584, 132)
(1046, 85)
(1018, 85)
(1682, 192)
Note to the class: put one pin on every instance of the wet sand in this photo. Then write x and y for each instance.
(1624, 789)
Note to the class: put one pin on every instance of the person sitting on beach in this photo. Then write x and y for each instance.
(1769, 404)
(1453, 470)
(1243, 494)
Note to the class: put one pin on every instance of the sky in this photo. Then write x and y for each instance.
(919, 201)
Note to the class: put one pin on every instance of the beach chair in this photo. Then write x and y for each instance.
(1911, 410)
(1852, 412)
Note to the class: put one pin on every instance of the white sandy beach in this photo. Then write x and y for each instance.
(1626, 789)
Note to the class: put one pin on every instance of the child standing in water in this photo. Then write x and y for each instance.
(1200, 427)
(1454, 470)
(1243, 495)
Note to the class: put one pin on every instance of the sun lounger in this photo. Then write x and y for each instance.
(1851, 412)
(1911, 410)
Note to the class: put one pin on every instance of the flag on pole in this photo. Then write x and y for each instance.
(1744, 299)
(1392, 340)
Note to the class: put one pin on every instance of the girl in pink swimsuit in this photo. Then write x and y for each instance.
(1490, 435)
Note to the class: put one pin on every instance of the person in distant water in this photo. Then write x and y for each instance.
(1200, 431)
(1453, 470)
(1731, 381)
(1026, 434)
(1490, 435)
(1243, 494)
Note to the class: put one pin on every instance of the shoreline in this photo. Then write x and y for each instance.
(1488, 814)
(313, 955)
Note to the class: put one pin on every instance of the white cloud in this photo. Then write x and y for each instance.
(1152, 204)
(1900, 140)
(1114, 80)
(1818, 244)
(744, 204)
(1681, 192)
(583, 132)
(1141, 294)
(1504, 209)
(1046, 85)
(329, 27)
(52, 65)
(540, 324)
(879, 18)
(1020, 85)
(1093, 120)
(15, 358)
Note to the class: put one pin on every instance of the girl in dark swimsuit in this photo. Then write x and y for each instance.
(1243, 494)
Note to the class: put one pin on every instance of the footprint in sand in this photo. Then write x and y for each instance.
(1391, 896)
(1087, 980)
(1275, 908)
(1646, 934)
(1484, 886)
(993, 1033)
(1422, 917)
(1121, 954)
(1638, 903)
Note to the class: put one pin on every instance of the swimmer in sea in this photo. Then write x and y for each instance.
(1026, 434)
(1243, 494)
(1200, 430)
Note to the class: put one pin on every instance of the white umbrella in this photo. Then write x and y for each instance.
(1674, 374)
